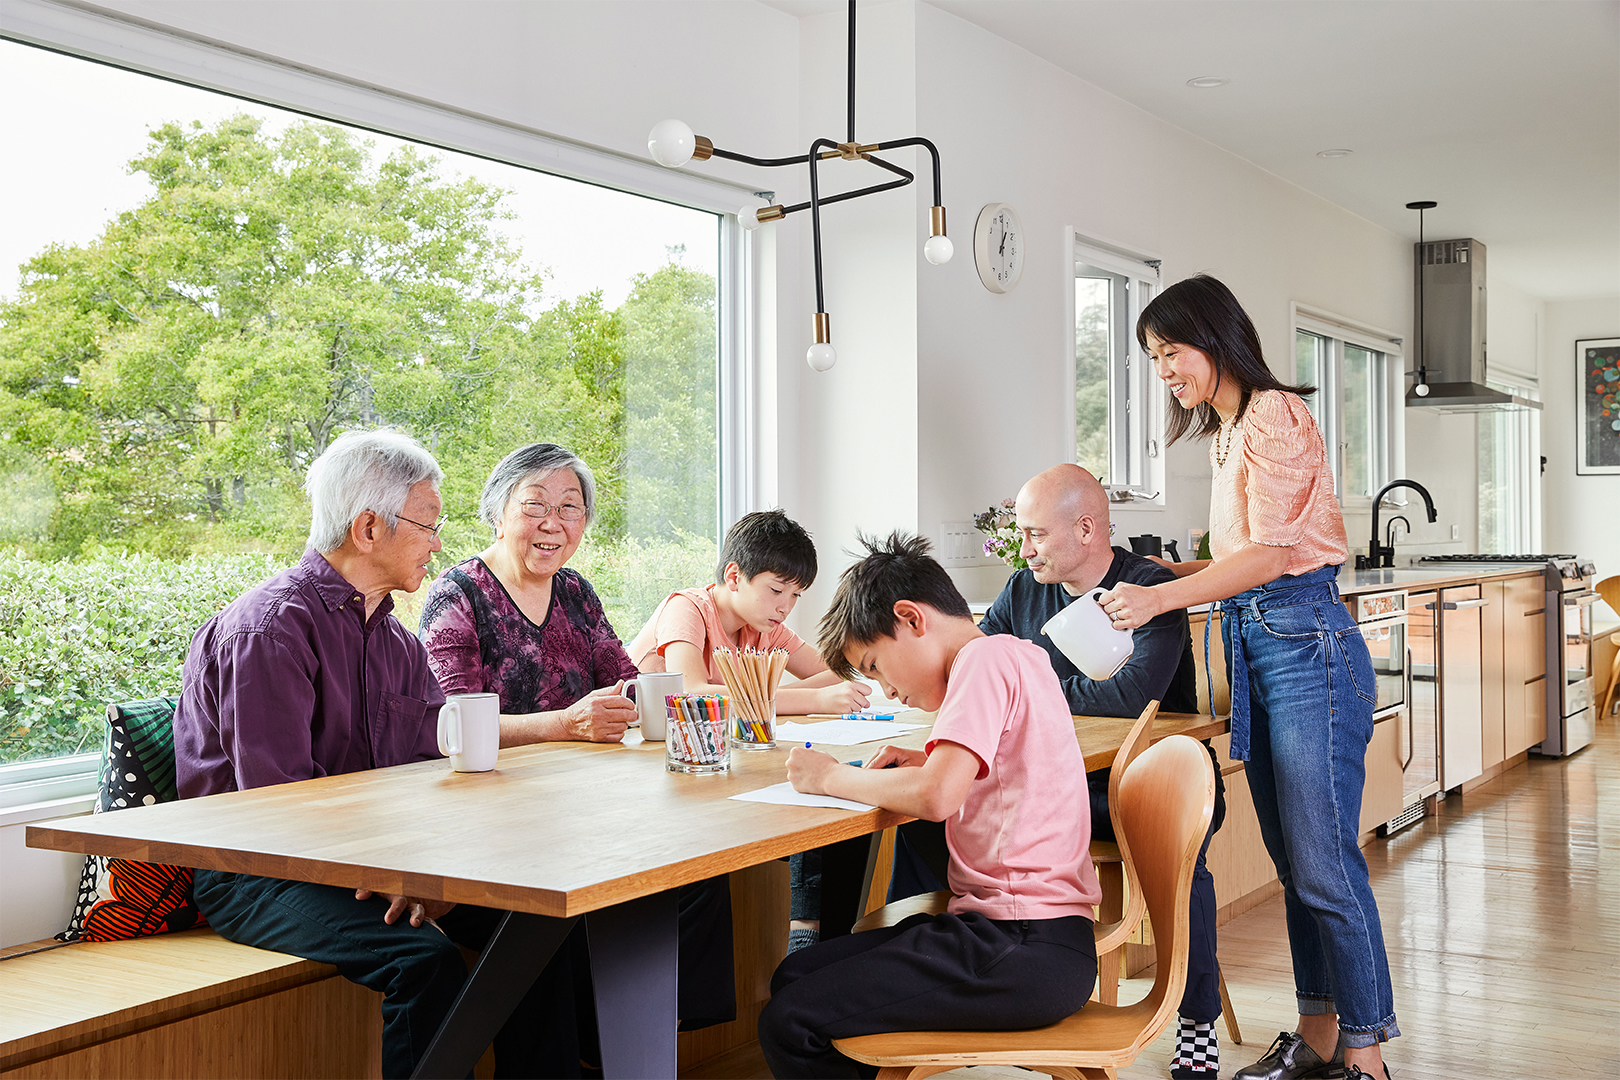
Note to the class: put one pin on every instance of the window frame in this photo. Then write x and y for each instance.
(1138, 396)
(39, 788)
(1389, 417)
(1528, 493)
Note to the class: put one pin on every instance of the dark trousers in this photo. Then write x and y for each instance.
(419, 970)
(939, 972)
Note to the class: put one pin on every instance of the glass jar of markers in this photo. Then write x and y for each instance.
(697, 738)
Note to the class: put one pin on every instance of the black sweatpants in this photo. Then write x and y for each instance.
(940, 972)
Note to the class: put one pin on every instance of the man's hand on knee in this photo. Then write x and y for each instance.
(421, 911)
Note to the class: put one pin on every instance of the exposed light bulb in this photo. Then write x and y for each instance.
(671, 143)
(1421, 389)
(821, 356)
(748, 218)
(938, 250)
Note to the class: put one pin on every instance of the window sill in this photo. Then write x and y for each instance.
(28, 813)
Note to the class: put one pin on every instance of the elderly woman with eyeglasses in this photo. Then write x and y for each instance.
(513, 620)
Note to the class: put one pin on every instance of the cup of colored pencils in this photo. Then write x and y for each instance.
(696, 740)
(751, 675)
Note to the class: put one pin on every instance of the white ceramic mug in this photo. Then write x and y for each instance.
(1087, 636)
(470, 731)
(648, 691)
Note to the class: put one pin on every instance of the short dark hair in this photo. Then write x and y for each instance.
(862, 608)
(1202, 312)
(769, 542)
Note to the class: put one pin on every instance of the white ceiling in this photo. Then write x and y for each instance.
(1505, 112)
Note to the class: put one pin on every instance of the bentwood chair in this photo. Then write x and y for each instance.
(1609, 589)
(1166, 799)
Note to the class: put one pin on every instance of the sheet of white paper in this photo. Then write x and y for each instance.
(783, 795)
(842, 732)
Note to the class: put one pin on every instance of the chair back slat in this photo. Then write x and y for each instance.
(1166, 799)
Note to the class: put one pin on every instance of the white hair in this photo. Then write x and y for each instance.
(533, 462)
(360, 471)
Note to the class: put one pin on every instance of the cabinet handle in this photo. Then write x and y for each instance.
(1411, 706)
(1459, 605)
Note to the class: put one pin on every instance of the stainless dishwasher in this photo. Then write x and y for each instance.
(1459, 677)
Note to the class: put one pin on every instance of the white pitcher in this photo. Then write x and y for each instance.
(1086, 635)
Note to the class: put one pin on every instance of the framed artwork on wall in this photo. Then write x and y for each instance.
(1598, 361)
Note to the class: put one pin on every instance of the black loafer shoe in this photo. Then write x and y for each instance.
(1355, 1073)
(1291, 1058)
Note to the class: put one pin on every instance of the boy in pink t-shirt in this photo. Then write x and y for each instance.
(766, 563)
(1002, 769)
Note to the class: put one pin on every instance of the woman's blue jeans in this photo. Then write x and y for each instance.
(1310, 716)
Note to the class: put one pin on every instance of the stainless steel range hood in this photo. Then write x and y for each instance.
(1449, 295)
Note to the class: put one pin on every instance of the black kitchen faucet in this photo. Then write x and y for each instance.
(1377, 554)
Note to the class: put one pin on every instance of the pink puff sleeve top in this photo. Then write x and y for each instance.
(1275, 486)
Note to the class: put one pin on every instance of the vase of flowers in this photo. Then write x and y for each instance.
(1000, 528)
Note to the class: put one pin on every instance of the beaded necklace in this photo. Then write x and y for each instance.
(1222, 452)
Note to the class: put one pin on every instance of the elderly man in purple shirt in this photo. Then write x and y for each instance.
(309, 674)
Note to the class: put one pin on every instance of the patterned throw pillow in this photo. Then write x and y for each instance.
(119, 898)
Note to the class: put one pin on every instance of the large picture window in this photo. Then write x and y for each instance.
(1510, 473)
(199, 292)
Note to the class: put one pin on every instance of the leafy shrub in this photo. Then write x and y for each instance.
(76, 636)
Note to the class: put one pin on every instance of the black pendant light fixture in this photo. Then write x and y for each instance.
(1421, 387)
(672, 143)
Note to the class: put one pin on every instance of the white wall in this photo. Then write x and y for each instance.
(1582, 513)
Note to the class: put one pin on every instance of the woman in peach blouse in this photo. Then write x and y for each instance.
(1302, 680)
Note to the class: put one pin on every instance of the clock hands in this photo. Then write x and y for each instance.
(1002, 250)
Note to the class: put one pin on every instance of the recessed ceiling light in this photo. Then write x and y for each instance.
(1207, 82)
(1334, 153)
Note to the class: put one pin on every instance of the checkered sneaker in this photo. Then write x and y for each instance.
(1198, 1053)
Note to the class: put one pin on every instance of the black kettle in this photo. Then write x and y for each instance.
(1148, 544)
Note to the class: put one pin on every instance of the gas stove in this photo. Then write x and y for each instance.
(1571, 571)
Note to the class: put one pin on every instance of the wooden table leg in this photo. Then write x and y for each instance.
(633, 968)
(518, 951)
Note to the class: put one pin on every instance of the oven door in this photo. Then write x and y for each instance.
(1577, 626)
(1386, 641)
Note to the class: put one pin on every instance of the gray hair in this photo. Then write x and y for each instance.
(529, 463)
(360, 471)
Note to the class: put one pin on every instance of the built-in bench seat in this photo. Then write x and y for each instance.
(188, 1004)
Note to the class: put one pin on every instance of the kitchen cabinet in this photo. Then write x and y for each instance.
(1524, 663)
(1381, 792)
(1460, 677)
(1493, 688)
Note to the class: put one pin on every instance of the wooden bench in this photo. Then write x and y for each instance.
(182, 1005)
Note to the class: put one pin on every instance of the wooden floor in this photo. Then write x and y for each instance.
(1502, 921)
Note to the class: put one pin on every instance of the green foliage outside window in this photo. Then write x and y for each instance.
(164, 387)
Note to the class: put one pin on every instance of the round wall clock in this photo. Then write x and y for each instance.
(998, 247)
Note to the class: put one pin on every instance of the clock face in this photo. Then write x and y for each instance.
(998, 247)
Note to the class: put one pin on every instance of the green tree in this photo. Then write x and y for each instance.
(672, 407)
(187, 365)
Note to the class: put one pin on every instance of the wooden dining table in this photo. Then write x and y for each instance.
(555, 833)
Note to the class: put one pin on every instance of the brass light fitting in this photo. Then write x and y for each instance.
(673, 143)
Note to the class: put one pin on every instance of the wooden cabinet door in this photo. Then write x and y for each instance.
(1494, 689)
(1381, 793)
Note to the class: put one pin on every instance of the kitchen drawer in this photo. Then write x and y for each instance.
(1532, 725)
(1381, 793)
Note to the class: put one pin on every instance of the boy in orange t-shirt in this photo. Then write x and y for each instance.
(766, 563)
(1015, 948)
